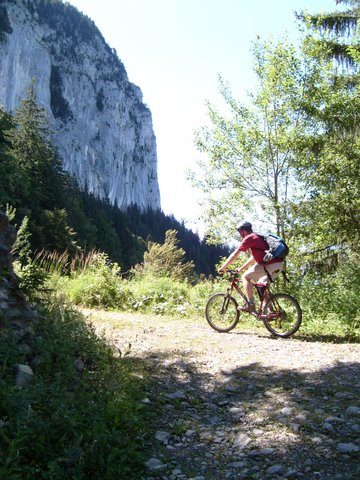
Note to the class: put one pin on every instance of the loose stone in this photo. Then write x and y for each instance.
(163, 437)
(155, 464)
(274, 469)
(347, 447)
(353, 411)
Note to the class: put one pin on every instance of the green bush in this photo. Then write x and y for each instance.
(98, 284)
(331, 302)
(201, 292)
(70, 423)
(159, 295)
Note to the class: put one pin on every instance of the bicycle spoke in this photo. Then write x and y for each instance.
(221, 312)
(283, 315)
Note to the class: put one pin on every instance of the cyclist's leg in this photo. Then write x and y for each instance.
(250, 277)
(274, 269)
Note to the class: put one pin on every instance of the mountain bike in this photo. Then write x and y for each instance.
(280, 312)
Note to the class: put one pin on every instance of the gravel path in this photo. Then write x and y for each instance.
(243, 405)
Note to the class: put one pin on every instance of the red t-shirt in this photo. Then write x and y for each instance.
(257, 246)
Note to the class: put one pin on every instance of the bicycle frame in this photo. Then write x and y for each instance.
(263, 290)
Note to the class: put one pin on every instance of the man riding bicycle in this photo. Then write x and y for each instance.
(257, 270)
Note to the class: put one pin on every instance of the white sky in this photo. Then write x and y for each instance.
(174, 50)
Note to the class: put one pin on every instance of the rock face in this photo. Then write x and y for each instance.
(103, 129)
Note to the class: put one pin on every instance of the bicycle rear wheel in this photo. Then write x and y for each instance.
(283, 315)
(221, 312)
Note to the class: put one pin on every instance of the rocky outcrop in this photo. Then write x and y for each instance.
(14, 309)
(16, 315)
(104, 131)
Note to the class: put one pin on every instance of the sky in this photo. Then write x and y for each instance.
(174, 51)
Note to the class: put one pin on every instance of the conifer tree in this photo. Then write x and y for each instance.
(34, 155)
(167, 259)
(43, 185)
(337, 31)
(330, 151)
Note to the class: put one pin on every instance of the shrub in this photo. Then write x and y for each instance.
(71, 423)
(160, 295)
(98, 284)
(332, 300)
(166, 260)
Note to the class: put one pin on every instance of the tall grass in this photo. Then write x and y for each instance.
(63, 263)
(330, 302)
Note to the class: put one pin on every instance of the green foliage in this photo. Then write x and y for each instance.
(328, 154)
(34, 182)
(22, 248)
(63, 218)
(166, 260)
(96, 285)
(331, 301)
(93, 281)
(70, 423)
(334, 32)
(59, 235)
(160, 295)
(249, 158)
(31, 276)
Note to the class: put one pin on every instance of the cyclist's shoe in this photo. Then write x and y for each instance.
(247, 307)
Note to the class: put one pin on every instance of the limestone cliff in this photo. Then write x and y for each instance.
(104, 131)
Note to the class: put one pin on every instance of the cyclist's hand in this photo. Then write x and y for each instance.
(221, 271)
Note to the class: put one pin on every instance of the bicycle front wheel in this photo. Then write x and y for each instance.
(221, 312)
(282, 315)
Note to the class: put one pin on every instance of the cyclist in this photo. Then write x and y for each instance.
(256, 269)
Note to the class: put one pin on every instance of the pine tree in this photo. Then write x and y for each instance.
(43, 183)
(331, 149)
(167, 260)
(42, 192)
(337, 32)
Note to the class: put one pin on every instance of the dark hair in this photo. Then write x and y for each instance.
(244, 226)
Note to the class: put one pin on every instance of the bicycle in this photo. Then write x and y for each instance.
(280, 312)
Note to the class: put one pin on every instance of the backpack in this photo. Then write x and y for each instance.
(277, 247)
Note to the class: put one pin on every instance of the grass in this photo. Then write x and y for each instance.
(69, 423)
(167, 297)
(90, 422)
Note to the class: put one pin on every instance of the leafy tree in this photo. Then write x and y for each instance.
(166, 260)
(248, 169)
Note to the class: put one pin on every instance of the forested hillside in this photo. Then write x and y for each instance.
(61, 217)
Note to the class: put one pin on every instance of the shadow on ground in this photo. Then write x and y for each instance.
(253, 421)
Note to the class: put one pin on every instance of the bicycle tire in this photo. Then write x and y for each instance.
(222, 312)
(284, 315)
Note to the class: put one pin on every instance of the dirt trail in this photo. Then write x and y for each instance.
(243, 405)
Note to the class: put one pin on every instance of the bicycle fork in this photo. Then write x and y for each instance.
(226, 301)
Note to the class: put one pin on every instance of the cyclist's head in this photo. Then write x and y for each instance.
(245, 226)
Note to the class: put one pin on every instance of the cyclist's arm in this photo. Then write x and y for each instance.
(228, 261)
(247, 264)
